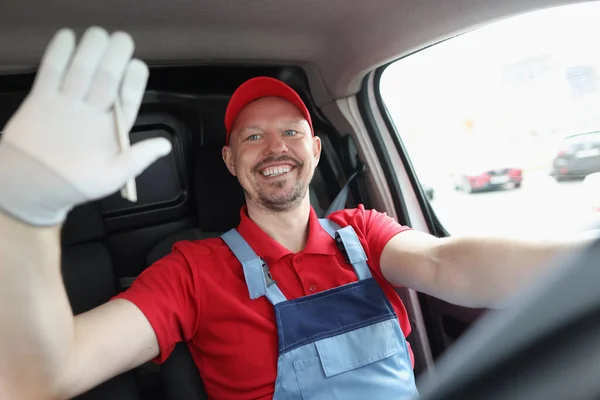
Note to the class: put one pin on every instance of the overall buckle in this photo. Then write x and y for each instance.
(268, 278)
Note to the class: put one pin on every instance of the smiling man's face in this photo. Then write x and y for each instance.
(273, 153)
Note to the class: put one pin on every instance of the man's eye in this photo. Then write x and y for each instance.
(252, 137)
(290, 132)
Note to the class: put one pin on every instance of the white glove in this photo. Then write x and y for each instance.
(60, 148)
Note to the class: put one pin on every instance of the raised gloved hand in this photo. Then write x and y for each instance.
(60, 148)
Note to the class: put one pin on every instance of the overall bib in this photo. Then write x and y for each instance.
(343, 343)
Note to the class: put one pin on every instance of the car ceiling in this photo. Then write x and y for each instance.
(336, 41)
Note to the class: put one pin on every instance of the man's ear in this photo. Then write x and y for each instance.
(227, 155)
(317, 148)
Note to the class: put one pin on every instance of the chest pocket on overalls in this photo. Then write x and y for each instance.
(372, 360)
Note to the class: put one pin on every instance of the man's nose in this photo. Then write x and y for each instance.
(276, 144)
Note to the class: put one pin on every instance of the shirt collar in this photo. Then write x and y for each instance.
(319, 241)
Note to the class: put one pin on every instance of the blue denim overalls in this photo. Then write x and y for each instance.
(343, 343)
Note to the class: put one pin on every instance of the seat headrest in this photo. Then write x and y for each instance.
(83, 224)
(219, 195)
(165, 246)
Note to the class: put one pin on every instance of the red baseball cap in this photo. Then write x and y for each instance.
(256, 88)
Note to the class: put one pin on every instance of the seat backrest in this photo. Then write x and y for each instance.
(180, 376)
(89, 281)
(218, 199)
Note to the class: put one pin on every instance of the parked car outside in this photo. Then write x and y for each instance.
(578, 156)
(485, 173)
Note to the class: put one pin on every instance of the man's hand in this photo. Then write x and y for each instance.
(61, 147)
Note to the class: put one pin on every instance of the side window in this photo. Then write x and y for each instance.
(502, 124)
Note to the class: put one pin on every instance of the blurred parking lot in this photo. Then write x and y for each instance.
(542, 207)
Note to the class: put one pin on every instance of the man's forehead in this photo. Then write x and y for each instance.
(269, 110)
(277, 121)
(270, 103)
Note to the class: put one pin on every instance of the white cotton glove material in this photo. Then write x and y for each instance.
(60, 148)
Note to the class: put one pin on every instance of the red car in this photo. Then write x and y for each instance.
(489, 179)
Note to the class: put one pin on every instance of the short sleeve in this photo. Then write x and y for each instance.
(374, 227)
(166, 293)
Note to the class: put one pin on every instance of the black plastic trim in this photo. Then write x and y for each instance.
(386, 163)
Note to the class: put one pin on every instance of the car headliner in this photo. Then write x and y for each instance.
(336, 41)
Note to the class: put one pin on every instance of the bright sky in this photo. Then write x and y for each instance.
(569, 32)
(436, 90)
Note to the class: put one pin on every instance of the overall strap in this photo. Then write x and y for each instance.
(347, 240)
(256, 272)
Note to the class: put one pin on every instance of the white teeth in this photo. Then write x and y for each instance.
(274, 171)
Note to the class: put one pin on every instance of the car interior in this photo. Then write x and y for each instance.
(333, 53)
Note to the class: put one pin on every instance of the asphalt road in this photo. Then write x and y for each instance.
(542, 207)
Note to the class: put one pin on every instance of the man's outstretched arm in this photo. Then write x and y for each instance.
(60, 149)
(480, 272)
(46, 353)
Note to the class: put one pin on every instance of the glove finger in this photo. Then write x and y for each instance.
(110, 73)
(92, 47)
(140, 156)
(55, 62)
(132, 90)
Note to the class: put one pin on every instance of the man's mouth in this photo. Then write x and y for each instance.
(277, 170)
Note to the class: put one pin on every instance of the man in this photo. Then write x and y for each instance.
(275, 307)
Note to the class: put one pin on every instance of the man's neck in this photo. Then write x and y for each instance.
(289, 228)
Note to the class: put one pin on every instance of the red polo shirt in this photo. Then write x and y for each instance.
(198, 294)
